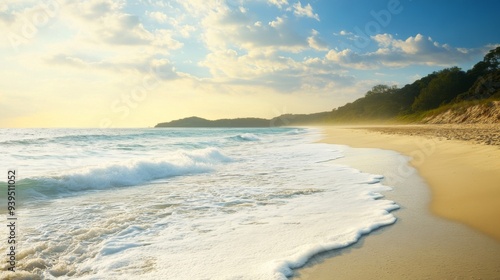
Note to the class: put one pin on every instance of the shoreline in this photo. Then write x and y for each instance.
(462, 176)
(421, 244)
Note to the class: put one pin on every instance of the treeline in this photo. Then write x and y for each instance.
(447, 86)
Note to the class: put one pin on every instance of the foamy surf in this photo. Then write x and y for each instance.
(246, 137)
(192, 204)
(122, 174)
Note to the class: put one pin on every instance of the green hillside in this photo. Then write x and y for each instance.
(439, 89)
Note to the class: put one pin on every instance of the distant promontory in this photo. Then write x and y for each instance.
(200, 122)
(283, 120)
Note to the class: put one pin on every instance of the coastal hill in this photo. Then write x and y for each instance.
(200, 122)
(283, 120)
(447, 96)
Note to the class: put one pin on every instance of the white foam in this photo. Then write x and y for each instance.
(256, 242)
(128, 173)
(265, 208)
(248, 137)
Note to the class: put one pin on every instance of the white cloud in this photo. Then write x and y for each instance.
(94, 9)
(276, 23)
(349, 35)
(105, 22)
(185, 30)
(391, 52)
(134, 63)
(273, 70)
(279, 3)
(304, 11)
(22, 21)
(163, 38)
(112, 25)
(197, 8)
(316, 43)
(230, 64)
(227, 28)
(349, 58)
(157, 16)
(100, 35)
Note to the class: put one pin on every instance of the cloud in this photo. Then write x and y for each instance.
(103, 36)
(162, 69)
(94, 9)
(21, 21)
(241, 49)
(316, 43)
(99, 36)
(199, 8)
(226, 28)
(185, 30)
(122, 29)
(278, 3)
(350, 59)
(349, 35)
(157, 16)
(273, 70)
(277, 23)
(7, 18)
(304, 11)
(164, 38)
(391, 52)
(105, 22)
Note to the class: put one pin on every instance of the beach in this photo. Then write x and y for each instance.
(447, 226)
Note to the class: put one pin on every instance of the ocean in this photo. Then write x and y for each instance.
(180, 203)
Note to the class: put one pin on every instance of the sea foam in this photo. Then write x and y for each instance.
(126, 173)
(246, 137)
(188, 204)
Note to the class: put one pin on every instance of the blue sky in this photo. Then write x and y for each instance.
(116, 63)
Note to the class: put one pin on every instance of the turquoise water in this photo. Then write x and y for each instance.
(183, 203)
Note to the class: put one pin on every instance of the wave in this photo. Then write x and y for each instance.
(121, 174)
(296, 131)
(82, 136)
(284, 268)
(246, 137)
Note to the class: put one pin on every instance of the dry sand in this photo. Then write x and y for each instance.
(464, 180)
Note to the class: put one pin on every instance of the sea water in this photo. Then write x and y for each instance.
(181, 203)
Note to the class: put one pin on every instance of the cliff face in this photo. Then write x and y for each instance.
(484, 113)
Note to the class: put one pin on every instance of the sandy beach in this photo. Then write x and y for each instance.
(447, 226)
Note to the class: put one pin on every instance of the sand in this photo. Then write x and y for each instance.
(448, 226)
(487, 134)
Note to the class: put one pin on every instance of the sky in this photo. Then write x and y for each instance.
(116, 63)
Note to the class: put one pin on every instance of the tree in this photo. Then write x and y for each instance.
(489, 64)
(407, 95)
(381, 89)
(492, 60)
(379, 103)
(447, 85)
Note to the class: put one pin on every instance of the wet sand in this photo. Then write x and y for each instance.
(447, 226)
